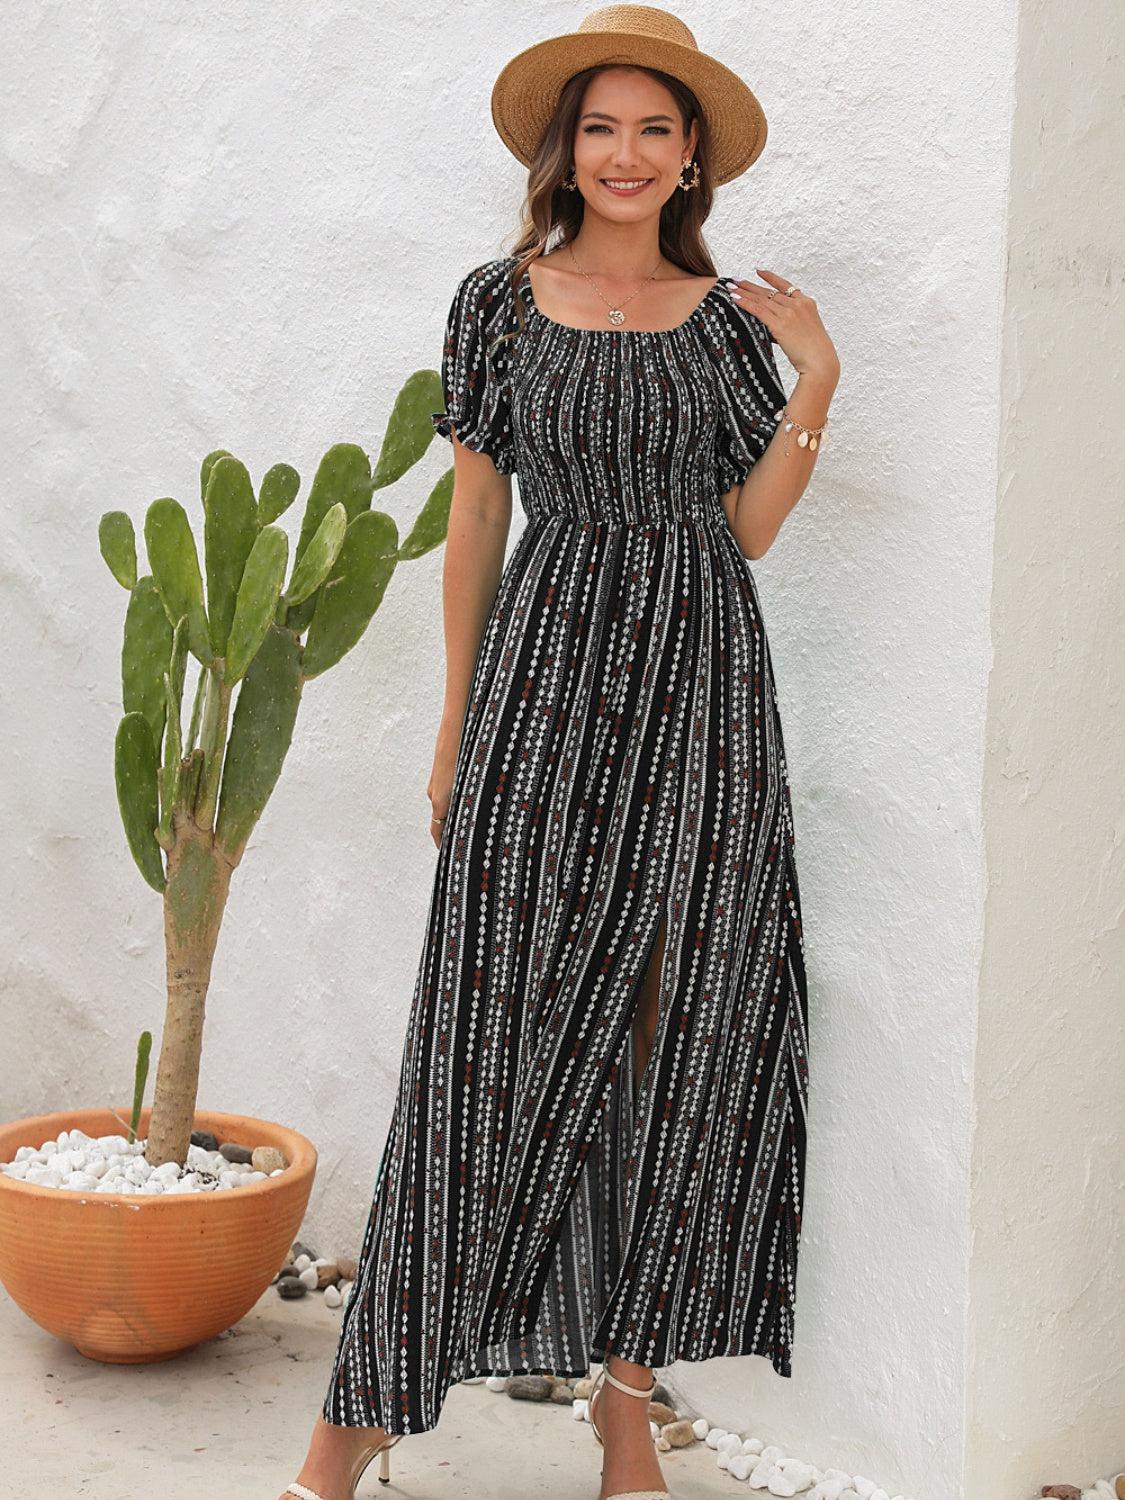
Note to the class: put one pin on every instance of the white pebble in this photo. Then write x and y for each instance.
(740, 1465)
(309, 1277)
(715, 1436)
(752, 1445)
(81, 1180)
(17, 1169)
(302, 1261)
(831, 1488)
(579, 1409)
(781, 1484)
(700, 1428)
(880, 1495)
(332, 1296)
(802, 1472)
(496, 1383)
(864, 1488)
(729, 1443)
(44, 1177)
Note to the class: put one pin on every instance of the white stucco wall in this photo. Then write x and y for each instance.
(1047, 1315)
(242, 229)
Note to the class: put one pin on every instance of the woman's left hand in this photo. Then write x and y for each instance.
(793, 321)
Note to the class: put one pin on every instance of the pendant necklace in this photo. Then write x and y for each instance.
(615, 314)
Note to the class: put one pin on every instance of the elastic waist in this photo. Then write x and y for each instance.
(602, 524)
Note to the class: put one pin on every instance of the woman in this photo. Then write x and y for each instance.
(597, 1148)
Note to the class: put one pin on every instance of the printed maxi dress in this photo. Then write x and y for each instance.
(620, 766)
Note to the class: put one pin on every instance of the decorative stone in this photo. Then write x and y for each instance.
(496, 1383)
(205, 1140)
(740, 1465)
(299, 1249)
(663, 1445)
(348, 1267)
(583, 1387)
(864, 1487)
(661, 1413)
(679, 1434)
(562, 1395)
(714, 1435)
(327, 1273)
(235, 1153)
(700, 1428)
(82, 1181)
(302, 1260)
(291, 1287)
(529, 1388)
(267, 1159)
(332, 1296)
(308, 1277)
(662, 1395)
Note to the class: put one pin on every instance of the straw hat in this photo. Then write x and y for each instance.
(526, 93)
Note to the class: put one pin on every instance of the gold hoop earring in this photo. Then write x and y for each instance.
(692, 181)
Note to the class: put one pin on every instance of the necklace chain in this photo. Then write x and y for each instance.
(615, 314)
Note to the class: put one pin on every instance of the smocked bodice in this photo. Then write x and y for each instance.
(610, 425)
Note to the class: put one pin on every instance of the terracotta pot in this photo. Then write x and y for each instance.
(129, 1278)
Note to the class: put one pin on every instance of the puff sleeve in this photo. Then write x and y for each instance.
(474, 369)
(751, 395)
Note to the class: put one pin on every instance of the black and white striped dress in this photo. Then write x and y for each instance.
(621, 763)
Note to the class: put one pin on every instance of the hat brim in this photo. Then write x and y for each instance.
(526, 92)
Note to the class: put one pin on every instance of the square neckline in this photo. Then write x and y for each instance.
(655, 333)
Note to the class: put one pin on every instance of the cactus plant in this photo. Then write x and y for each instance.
(190, 799)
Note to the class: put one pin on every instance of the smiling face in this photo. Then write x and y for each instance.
(629, 145)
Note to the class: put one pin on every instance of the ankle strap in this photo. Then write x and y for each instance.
(621, 1385)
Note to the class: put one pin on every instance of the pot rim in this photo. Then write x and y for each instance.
(302, 1157)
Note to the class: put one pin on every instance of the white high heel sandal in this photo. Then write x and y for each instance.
(604, 1374)
(382, 1453)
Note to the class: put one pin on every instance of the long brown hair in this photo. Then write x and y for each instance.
(550, 209)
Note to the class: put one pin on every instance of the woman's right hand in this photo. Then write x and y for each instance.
(440, 786)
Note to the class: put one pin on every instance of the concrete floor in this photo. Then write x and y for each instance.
(230, 1421)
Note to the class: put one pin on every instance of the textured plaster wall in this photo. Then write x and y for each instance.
(1047, 1317)
(242, 228)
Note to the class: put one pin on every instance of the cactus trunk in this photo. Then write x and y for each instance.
(195, 899)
